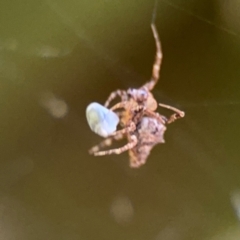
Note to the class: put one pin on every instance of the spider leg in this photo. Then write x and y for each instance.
(126, 147)
(123, 104)
(158, 60)
(118, 93)
(125, 130)
(156, 115)
(178, 113)
(127, 105)
(105, 143)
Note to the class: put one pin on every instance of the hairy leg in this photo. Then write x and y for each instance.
(118, 93)
(126, 147)
(127, 106)
(105, 143)
(123, 104)
(156, 115)
(125, 130)
(158, 60)
(178, 113)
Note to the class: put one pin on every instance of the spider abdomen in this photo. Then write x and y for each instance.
(149, 132)
(151, 129)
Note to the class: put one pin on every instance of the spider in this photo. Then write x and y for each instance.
(143, 127)
(148, 131)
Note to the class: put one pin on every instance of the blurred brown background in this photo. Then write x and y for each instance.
(56, 57)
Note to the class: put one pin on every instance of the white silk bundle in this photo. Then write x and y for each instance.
(101, 120)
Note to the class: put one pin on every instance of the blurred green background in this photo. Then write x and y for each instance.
(56, 57)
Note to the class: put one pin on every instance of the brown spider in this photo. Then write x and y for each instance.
(143, 127)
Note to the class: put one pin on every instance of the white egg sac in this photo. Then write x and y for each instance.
(101, 120)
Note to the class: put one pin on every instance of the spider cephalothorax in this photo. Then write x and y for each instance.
(141, 124)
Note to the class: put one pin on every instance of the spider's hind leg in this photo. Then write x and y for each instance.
(105, 143)
(126, 147)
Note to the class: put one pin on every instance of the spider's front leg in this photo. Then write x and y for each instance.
(118, 93)
(158, 60)
(130, 145)
(178, 113)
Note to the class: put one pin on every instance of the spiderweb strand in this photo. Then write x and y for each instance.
(214, 104)
(154, 14)
(227, 30)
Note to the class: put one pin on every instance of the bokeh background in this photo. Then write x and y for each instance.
(56, 57)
